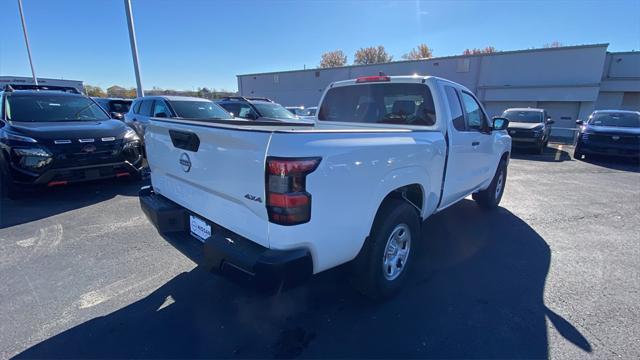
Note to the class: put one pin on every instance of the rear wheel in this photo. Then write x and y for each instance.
(491, 196)
(382, 265)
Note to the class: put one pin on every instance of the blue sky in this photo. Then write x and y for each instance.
(188, 44)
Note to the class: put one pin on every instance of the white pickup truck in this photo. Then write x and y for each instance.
(284, 201)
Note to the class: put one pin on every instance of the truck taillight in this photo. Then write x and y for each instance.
(288, 202)
(366, 79)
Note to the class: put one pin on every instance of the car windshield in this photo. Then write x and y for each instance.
(408, 104)
(615, 119)
(199, 110)
(274, 111)
(523, 116)
(52, 107)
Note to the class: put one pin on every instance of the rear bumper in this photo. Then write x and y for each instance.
(226, 250)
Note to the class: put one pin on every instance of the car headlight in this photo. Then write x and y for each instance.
(5, 135)
(31, 159)
(131, 135)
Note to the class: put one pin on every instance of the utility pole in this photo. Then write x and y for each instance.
(26, 40)
(134, 47)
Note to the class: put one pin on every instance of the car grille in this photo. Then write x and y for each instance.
(613, 139)
(521, 133)
(83, 154)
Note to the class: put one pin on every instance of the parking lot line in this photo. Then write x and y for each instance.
(559, 152)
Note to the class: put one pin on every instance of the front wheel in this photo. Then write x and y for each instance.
(382, 265)
(491, 196)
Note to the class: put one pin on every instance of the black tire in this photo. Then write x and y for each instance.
(395, 217)
(577, 154)
(8, 189)
(490, 197)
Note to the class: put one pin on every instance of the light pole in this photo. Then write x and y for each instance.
(26, 40)
(134, 47)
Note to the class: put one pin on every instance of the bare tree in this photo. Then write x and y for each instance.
(333, 59)
(476, 51)
(372, 55)
(422, 51)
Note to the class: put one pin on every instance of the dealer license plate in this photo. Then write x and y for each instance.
(199, 228)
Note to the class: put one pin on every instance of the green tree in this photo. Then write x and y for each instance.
(333, 59)
(372, 55)
(95, 91)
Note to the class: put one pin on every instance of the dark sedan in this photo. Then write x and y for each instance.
(609, 132)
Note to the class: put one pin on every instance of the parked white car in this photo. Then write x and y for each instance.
(287, 200)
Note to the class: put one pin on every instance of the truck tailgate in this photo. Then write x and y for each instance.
(218, 173)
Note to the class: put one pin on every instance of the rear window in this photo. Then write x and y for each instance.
(52, 107)
(119, 106)
(199, 110)
(406, 104)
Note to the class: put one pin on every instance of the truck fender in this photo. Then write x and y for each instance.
(399, 178)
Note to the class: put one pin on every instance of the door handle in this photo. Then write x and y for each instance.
(475, 143)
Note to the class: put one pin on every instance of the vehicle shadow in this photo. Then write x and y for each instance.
(614, 163)
(45, 202)
(551, 154)
(476, 291)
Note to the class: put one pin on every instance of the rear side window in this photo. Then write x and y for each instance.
(388, 103)
(145, 108)
(456, 109)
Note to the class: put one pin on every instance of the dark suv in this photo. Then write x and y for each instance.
(256, 108)
(529, 128)
(52, 136)
(609, 132)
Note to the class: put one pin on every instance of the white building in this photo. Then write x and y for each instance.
(569, 82)
(6, 80)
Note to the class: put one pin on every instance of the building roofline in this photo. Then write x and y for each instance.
(497, 53)
(623, 52)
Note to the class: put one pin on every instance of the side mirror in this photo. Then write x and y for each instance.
(500, 123)
(161, 115)
(116, 115)
(549, 121)
(232, 115)
(579, 122)
(251, 116)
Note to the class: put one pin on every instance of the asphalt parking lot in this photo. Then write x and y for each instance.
(555, 272)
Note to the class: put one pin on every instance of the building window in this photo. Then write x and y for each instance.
(463, 65)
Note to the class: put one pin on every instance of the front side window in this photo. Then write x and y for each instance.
(475, 115)
(160, 109)
(523, 116)
(240, 110)
(51, 107)
(145, 108)
(201, 110)
(405, 104)
(615, 119)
